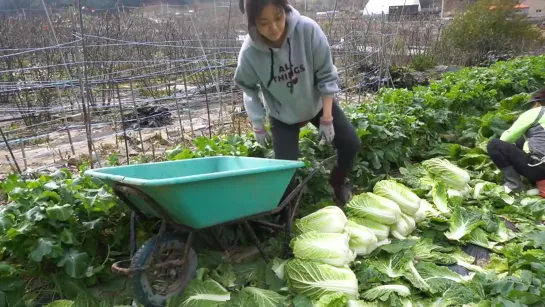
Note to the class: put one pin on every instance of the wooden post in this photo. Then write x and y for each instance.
(207, 107)
(11, 165)
(23, 153)
(136, 114)
(176, 100)
(115, 130)
(86, 115)
(10, 151)
(65, 123)
(122, 123)
(188, 105)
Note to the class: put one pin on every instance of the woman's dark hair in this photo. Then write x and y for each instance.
(253, 8)
(539, 97)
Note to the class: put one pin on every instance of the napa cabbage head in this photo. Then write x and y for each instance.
(479, 237)
(440, 197)
(404, 227)
(374, 207)
(462, 194)
(252, 296)
(385, 291)
(328, 248)
(381, 231)
(61, 303)
(354, 303)
(278, 267)
(503, 234)
(444, 171)
(481, 189)
(204, 293)
(362, 240)
(462, 222)
(329, 219)
(407, 201)
(425, 211)
(314, 279)
(338, 299)
(425, 250)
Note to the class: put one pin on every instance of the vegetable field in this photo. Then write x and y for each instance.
(430, 224)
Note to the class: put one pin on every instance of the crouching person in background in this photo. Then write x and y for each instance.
(520, 151)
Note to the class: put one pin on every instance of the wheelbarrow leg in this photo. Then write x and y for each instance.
(256, 241)
(287, 230)
(159, 239)
(133, 234)
(188, 244)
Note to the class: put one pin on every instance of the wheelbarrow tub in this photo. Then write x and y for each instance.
(205, 192)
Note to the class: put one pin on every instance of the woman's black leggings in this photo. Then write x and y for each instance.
(504, 154)
(346, 141)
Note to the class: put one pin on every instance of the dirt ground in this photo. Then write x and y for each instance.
(57, 151)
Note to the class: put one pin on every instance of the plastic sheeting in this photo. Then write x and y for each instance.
(478, 252)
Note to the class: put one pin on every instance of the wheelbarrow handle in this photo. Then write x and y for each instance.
(297, 189)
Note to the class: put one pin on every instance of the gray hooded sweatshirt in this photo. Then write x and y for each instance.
(292, 78)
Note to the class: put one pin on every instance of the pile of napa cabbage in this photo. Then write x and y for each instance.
(409, 242)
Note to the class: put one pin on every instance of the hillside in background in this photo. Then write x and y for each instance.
(449, 5)
(98, 4)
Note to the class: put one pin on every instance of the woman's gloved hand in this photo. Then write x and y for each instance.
(326, 129)
(262, 136)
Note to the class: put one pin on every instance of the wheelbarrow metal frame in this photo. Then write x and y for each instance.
(122, 191)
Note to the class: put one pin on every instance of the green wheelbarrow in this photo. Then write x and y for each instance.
(191, 196)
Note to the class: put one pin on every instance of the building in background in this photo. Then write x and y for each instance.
(531, 9)
(430, 6)
(536, 8)
(379, 7)
(519, 9)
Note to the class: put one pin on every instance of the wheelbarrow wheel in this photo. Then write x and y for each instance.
(152, 287)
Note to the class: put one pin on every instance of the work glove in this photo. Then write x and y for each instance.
(326, 130)
(262, 136)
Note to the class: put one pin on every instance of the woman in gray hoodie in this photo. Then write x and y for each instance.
(286, 58)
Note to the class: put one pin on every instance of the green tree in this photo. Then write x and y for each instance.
(490, 25)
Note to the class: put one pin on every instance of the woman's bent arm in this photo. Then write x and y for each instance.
(520, 126)
(246, 78)
(324, 70)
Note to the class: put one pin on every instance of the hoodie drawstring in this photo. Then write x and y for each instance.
(272, 68)
(291, 74)
(291, 66)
